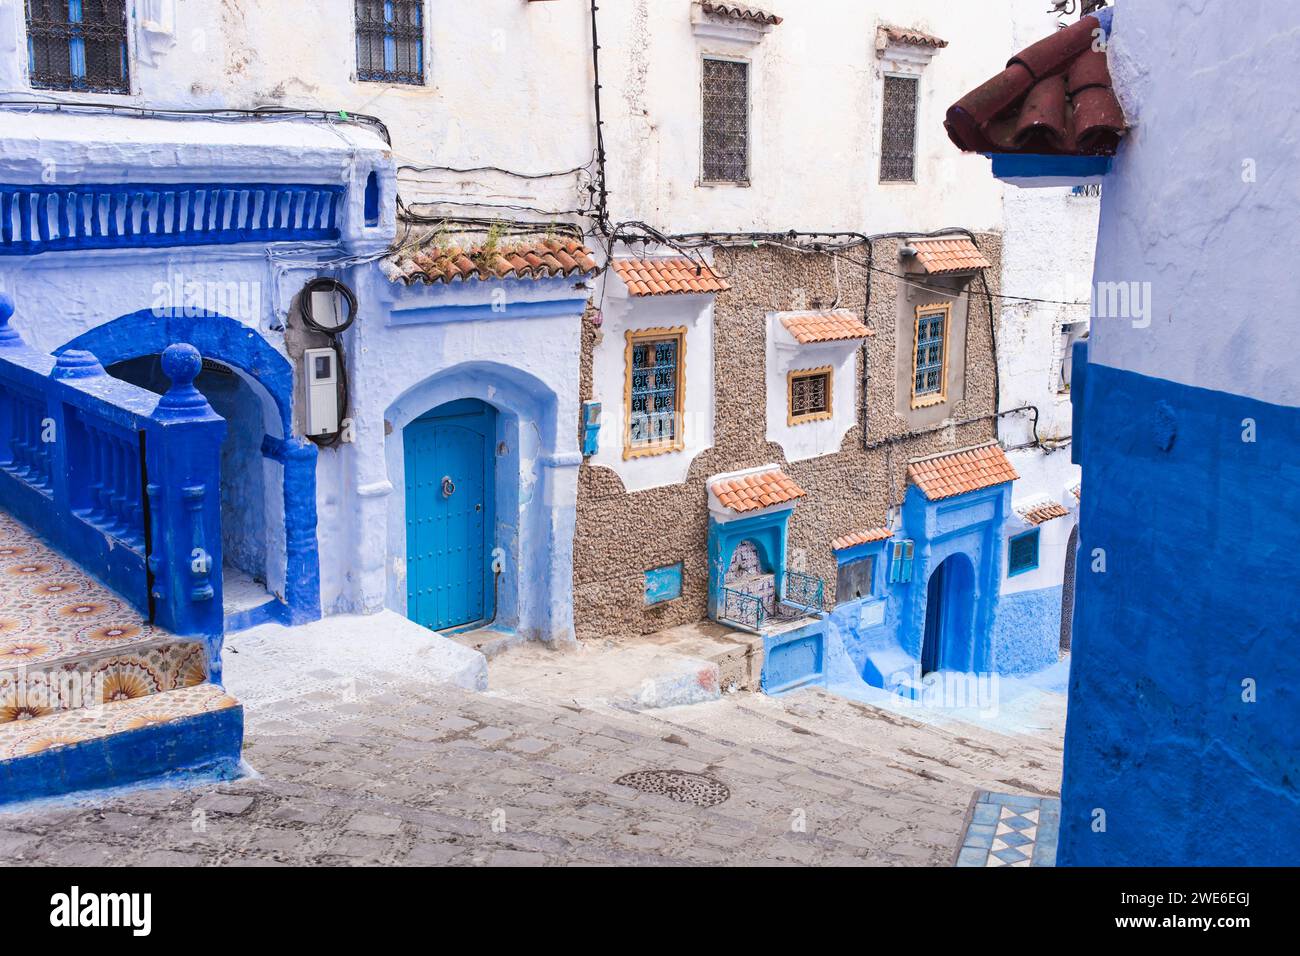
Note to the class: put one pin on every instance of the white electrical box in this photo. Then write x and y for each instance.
(321, 373)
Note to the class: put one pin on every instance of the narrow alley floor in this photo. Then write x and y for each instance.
(384, 770)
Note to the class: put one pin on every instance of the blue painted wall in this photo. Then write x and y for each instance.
(1200, 532)
(1027, 631)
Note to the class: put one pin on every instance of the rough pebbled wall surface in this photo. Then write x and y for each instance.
(619, 535)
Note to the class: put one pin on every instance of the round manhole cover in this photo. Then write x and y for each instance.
(679, 785)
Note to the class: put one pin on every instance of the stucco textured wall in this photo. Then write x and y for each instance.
(620, 535)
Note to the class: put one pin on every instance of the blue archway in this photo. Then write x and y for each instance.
(149, 332)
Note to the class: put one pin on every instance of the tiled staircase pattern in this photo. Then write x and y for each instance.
(80, 668)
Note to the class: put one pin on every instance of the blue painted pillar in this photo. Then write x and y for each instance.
(302, 559)
(183, 469)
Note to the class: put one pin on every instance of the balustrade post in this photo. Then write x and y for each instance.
(183, 461)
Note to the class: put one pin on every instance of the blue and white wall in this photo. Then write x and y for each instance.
(1185, 682)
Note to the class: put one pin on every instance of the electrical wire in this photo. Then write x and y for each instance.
(332, 332)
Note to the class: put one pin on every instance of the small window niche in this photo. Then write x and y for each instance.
(372, 199)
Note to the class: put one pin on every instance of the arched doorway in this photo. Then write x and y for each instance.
(450, 459)
(252, 509)
(292, 480)
(949, 603)
(1067, 590)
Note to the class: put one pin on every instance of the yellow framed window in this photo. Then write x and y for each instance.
(655, 391)
(930, 354)
(808, 395)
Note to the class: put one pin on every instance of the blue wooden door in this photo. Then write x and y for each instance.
(449, 492)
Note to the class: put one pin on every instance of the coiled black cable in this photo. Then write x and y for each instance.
(328, 284)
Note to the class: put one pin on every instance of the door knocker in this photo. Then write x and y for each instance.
(448, 487)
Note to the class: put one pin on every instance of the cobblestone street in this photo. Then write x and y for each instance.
(393, 772)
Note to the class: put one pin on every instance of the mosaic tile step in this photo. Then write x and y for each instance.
(1007, 829)
(114, 673)
(66, 641)
(191, 730)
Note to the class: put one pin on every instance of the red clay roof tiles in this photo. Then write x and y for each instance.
(1043, 512)
(755, 491)
(938, 256)
(536, 259)
(680, 276)
(855, 538)
(836, 326)
(1054, 97)
(962, 471)
(735, 11)
(913, 37)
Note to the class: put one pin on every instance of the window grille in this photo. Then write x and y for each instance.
(810, 395)
(931, 334)
(78, 45)
(726, 121)
(390, 41)
(653, 392)
(898, 134)
(1091, 190)
(1022, 553)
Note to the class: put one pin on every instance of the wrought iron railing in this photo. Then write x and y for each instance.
(805, 591)
(742, 610)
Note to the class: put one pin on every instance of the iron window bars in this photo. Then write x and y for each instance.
(898, 130)
(78, 45)
(726, 121)
(654, 392)
(390, 41)
(930, 357)
(809, 395)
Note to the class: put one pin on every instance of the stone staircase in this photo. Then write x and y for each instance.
(91, 695)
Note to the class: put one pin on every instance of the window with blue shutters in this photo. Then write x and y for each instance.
(900, 565)
(930, 354)
(655, 367)
(1022, 553)
(78, 45)
(390, 41)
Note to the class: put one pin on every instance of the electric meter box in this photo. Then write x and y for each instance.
(321, 373)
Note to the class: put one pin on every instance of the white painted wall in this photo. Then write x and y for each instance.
(1204, 199)
(510, 84)
(809, 439)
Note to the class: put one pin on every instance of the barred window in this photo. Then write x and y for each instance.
(726, 121)
(390, 41)
(809, 395)
(78, 45)
(655, 364)
(930, 354)
(898, 130)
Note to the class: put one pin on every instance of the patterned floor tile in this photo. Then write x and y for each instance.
(21, 738)
(66, 641)
(1010, 830)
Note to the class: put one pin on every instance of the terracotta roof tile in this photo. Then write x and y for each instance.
(913, 37)
(961, 471)
(1054, 97)
(1041, 512)
(735, 11)
(755, 491)
(938, 256)
(668, 277)
(837, 326)
(535, 259)
(855, 538)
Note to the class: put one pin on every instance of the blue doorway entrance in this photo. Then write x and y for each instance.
(450, 460)
(949, 599)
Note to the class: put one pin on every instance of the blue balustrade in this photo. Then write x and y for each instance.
(805, 591)
(742, 610)
(48, 218)
(123, 481)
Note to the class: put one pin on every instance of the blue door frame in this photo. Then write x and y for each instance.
(450, 457)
